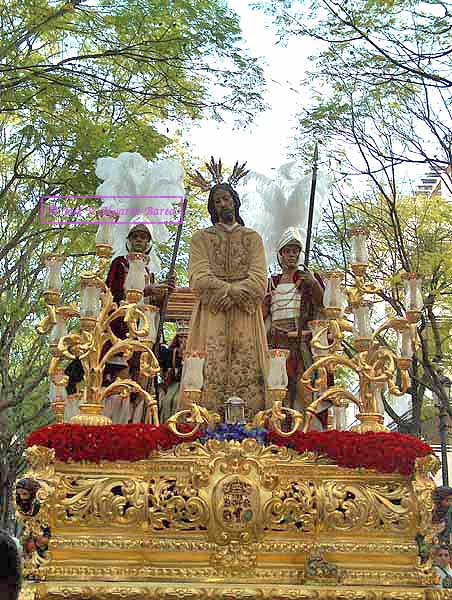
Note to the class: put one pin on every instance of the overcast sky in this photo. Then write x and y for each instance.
(264, 144)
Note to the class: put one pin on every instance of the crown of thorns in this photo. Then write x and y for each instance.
(215, 168)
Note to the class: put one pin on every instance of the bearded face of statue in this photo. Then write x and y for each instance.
(224, 206)
(289, 256)
(224, 202)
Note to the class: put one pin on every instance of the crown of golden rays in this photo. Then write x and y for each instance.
(215, 169)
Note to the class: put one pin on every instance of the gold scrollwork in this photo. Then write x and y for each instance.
(173, 506)
(234, 560)
(254, 512)
(385, 507)
(41, 462)
(277, 414)
(196, 415)
(310, 507)
(101, 501)
(423, 486)
(293, 508)
(234, 592)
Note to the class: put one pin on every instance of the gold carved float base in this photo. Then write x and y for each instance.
(227, 521)
(180, 591)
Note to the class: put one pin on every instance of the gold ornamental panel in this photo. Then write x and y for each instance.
(222, 512)
(50, 591)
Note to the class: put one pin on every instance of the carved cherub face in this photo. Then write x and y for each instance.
(29, 545)
(26, 490)
(23, 494)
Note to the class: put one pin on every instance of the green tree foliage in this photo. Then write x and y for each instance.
(381, 98)
(421, 242)
(80, 80)
(381, 80)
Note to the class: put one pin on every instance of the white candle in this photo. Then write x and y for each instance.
(277, 374)
(413, 292)
(405, 343)
(340, 419)
(333, 296)
(52, 392)
(135, 279)
(61, 393)
(152, 316)
(89, 306)
(59, 330)
(362, 320)
(57, 392)
(53, 279)
(193, 378)
(359, 246)
(104, 234)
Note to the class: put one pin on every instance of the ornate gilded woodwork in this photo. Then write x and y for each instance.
(101, 501)
(221, 512)
(230, 592)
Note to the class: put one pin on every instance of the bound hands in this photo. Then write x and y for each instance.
(234, 296)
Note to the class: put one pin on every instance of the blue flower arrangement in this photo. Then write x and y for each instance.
(237, 431)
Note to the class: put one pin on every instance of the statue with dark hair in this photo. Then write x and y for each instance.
(10, 568)
(228, 273)
(211, 204)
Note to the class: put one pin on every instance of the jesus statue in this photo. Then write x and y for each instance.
(228, 273)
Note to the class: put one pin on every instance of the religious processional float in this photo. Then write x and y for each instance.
(201, 507)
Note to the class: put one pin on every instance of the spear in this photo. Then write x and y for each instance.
(164, 307)
(172, 268)
(311, 206)
(304, 318)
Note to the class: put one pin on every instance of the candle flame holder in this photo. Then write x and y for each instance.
(375, 363)
(96, 314)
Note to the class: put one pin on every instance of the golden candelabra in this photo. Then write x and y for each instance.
(188, 421)
(277, 382)
(375, 363)
(95, 344)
